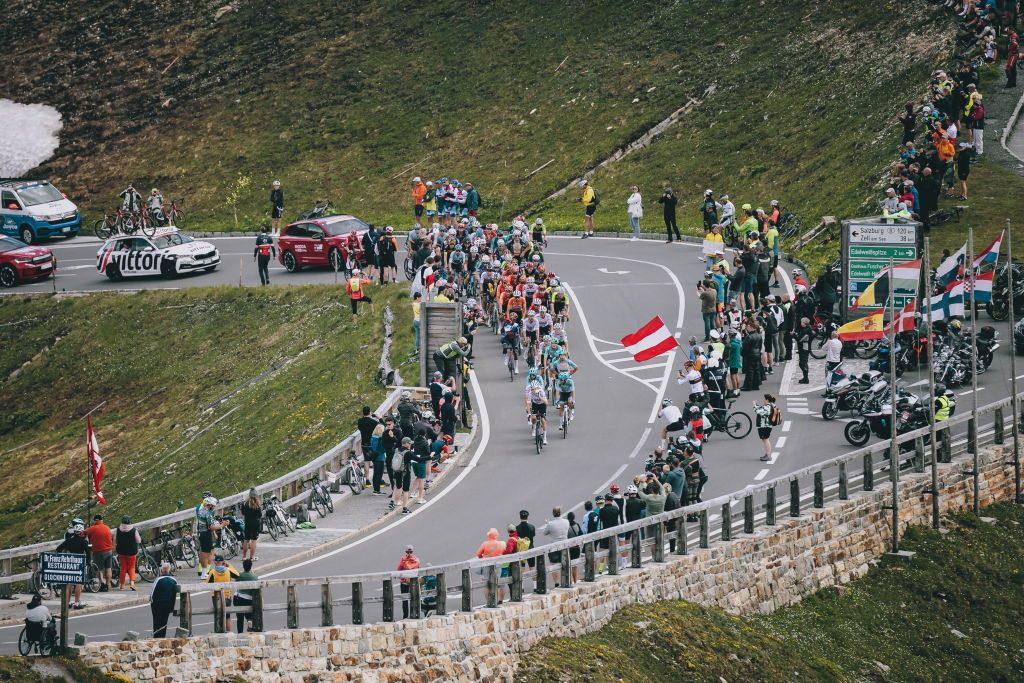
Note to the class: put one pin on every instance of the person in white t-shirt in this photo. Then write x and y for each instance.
(674, 421)
(833, 357)
(691, 376)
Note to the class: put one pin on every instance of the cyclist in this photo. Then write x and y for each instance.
(516, 303)
(206, 525)
(566, 394)
(537, 407)
(673, 419)
(131, 200)
(511, 340)
(262, 254)
(457, 264)
(545, 321)
(539, 232)
(560, 303)
(531, 335)
(78, 544)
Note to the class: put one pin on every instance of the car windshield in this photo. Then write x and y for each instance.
(170, 240)
(34, 195)
(345, 227)
(10, 244)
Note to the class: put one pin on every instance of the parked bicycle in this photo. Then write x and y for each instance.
(36, 585)
(320, 498)
(353, 475)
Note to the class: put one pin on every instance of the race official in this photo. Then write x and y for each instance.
(264, 251)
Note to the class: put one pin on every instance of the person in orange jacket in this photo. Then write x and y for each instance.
(356, 289)
(418, 191)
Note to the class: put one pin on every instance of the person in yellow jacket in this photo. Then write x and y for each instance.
(711, 241)
(223, 573)
(590, 200)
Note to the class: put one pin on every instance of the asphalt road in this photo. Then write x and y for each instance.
(616, 286)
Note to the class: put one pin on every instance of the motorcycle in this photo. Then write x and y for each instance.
(999, 307)
(910, 415)
(845, 394)
(987, 344)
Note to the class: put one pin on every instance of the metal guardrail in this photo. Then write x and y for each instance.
(287, 488)
(633, 543)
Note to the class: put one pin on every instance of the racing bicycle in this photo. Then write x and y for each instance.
(320, 497)
(407, 268)
(353, 475)
(510, 362)
(735, 423)
(566, 417)
(43, 590)
(950, 215)
(538, 435)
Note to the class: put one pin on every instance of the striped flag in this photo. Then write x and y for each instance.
(868, 327)
(991, 252)
(653, 339)
(92, 447)
(950, 304)
(903, 276)
(983, 286)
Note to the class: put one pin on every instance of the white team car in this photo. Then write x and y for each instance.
(168, 253)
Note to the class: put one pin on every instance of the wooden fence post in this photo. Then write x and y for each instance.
(185, 612)
(326, 605)
(442, 594)
(467, 591)
(844, 482)
(589, 562)
(541, 584)
(726, 522)
(415, 601)
(515, 589)
(658, 555)
(492, 586)
(293, 607)
(256, 618)
(635, 561)
(389, 600)
(794, 497)
(357, 603)
(218, 611)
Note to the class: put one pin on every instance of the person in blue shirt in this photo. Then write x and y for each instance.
(566, 390)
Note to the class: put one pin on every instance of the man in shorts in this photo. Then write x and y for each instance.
(589, 201)
(102, 541)
(206, 526)
(537, 407)
(418, 191)
(673, 419)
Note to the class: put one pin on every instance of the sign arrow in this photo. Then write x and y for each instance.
(612, 272)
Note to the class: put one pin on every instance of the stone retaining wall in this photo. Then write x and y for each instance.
(772, 568)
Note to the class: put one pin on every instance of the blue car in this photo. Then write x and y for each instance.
(33, 210)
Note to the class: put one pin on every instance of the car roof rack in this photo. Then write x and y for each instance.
(11, 181)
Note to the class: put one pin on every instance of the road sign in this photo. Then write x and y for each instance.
(868, 246)
(883, 252)
(62, 568)
(882, 233)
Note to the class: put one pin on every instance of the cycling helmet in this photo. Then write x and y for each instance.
(708, 193)
(558, 326)
(563, 376)
(210, 500)
(531, 373)
(774, 202)
(631, 490)
(724, 197)
(797, 271)
(529, 279)
(536, 258)
(458, 247)
(956, 325)
(746, 207)
(451, 232)
(154, 191)
(78, 528)
(694, 410)
(518, 292)
(531, 313)
(559, 290)
(485, 259)
(538, 222)
(666, 402)
(406, 395)
(462, 341)
(543, 309)
(562, 351)
(276, 183)
(547, 338)
(474, 250)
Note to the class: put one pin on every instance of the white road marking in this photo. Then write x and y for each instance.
(613, 351)
(969, 391)
(640, 443)
(773, 458)
(605, 341)
(604, 486)
(787, 425)
(64, 269)
(612, 272)
(780, 442)
(761, 475)
(641, 368)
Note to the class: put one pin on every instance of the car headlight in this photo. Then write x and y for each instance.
(170, 257)
(23, 260)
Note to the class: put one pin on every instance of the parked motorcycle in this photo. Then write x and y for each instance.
(910, 415)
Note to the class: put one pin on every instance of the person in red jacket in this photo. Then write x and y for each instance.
(407, 562)
(102, 541)
(1012, 57)
(356, 289)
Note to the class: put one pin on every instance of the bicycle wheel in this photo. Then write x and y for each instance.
(44, 590)
(510, 362)
(538, 439)
(565, 422)
(178, 219)
(102, 229)
(738, 424)
(317, 504)
(92, 578)
(188, 551)
(866, 348)
(818, 347)
(146, 566)
(148, 227)
(328, 501)
(49, 646)
(270, 527)
(24, 647)
(282, 526)
(409, 270)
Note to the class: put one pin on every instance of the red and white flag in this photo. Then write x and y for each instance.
(653, 339)
(906, 320)
(92, 447)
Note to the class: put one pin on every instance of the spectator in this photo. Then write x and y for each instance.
(527, 531)
(590, 200)
(377, 457)
(669, 201)
(418, 192)
(366, 425)
(252, 515)
(765, 412)
(162, 599)
(1012, 58)
(491, 547)
(407, 562)
(78, 544)
(558, 529)
(355, 287)
(102, 541)
(635, 210)
(833, 356)
(929, 195)
(128, 542)
(804, 337)
(708, 296)
(276, 206)
(244, 598)
(709, 211)
(963, 166)
(575, 531)
(223, 573)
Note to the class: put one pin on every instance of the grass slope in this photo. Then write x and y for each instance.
(350, 100)
(160, 359)
(52, 670)
(951, 614)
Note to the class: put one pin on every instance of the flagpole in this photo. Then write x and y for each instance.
(1013, 370)
(925, 265)
(894, 455)
(973, 425)
(88, 468)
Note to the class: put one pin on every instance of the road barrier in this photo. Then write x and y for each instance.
(457, 586)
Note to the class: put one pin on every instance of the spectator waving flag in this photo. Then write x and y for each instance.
(990, 253)
(952, 269)
(92, 447)
(653, 339)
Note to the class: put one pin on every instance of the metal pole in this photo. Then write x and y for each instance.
(1013, 370)
(88, 470)
(925, 267)
(974, 371)
(894, 456)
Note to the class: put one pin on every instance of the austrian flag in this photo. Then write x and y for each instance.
(92, 447)
(653, 339)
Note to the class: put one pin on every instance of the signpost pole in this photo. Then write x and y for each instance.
(894, 451)
(65, 597)
(925, 265)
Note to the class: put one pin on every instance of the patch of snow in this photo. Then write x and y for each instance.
(28, 136)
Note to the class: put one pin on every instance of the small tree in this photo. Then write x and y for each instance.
(240, 185)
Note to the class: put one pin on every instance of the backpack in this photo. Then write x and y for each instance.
(522, 544)
(597, 196)
(978, 112)
(775, 417)
(397, 460)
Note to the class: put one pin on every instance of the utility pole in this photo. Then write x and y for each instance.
(973, 428)
(894, 451)
(1013, 369)
(925, 267)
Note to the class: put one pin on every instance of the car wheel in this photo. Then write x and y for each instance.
(26, 234)
(113, 272)
(290, 264)
(8, 276)
(167, 269)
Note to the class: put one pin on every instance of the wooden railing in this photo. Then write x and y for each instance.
(468, 585)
